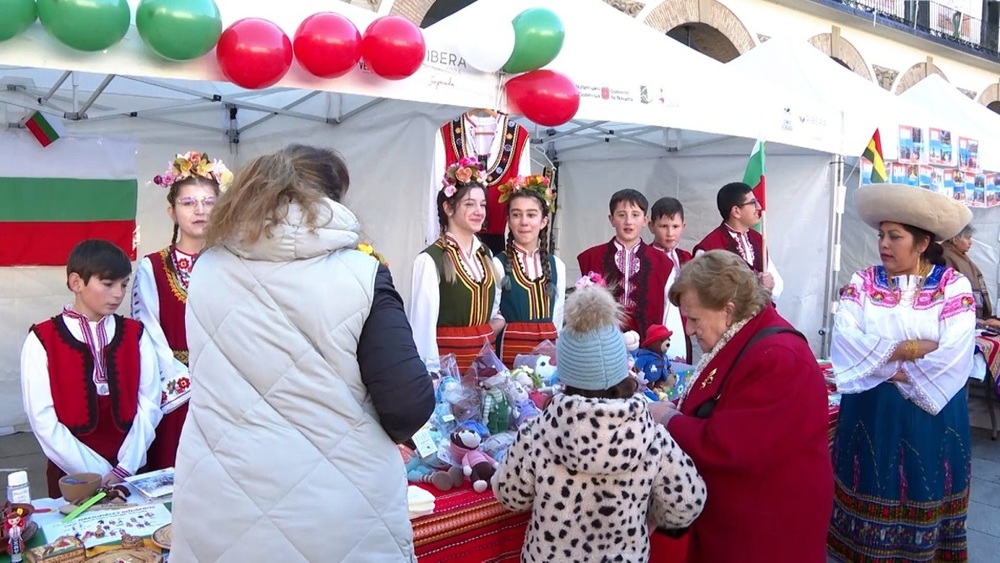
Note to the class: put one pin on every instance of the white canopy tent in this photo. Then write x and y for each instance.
(387, 139)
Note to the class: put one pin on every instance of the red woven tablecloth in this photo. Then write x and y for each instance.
(990, 346)
(468, 527)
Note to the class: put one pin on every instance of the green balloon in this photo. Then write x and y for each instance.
(538, 38)
(85, 25)
(179, 30)
(17, 16)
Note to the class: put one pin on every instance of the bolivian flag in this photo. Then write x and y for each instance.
(52, 198)
(873, 152)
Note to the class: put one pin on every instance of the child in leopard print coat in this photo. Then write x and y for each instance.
(594, 467)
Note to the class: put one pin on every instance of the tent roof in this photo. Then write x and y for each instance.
(970, 118)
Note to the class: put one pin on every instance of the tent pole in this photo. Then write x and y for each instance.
(82, 112)
(55, 87)
(831, 297)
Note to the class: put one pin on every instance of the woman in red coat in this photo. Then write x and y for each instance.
(754, 420)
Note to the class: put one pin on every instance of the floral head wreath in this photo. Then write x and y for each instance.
(535, 183)
(191, 164)
(592, 278)
(467, 170)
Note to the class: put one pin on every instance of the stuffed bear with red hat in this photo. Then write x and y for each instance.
(651, 361)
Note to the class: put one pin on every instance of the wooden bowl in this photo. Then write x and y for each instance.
(79, 486)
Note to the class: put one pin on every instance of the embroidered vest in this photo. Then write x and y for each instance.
(515, 138)
(720, 239)
(71, 373)
(173, 302)
(525, 300)
(649, 283)
(464, 302)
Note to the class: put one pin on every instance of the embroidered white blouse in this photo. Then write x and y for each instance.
(425, 298)
(531, 264)
(146, 308)
(873, 320)
(58, 443)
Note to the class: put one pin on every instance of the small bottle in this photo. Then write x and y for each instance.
(18, 491)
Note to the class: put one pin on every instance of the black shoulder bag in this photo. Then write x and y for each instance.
(705, 409)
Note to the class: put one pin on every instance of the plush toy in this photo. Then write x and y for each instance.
(524, 407)
(476, 465)
(651, 362)
(496, 408)
(419, 471)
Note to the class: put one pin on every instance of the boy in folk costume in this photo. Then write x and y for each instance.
(88, 376)
(159, 294)
(455, 306)
(637, 273)
(740, 211)
(666, 222)
(534, 280)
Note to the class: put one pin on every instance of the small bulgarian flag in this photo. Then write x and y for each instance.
(873, 152)
(46, 129)
(754, 177)
(53, 198)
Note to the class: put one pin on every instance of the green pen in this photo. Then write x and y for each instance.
(93, 500)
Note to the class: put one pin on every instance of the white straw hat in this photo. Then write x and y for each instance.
(909, 205)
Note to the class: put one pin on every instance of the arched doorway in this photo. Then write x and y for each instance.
(706, 40)
(843, 52)
(915, 74)
(426, 13)
(706, 26)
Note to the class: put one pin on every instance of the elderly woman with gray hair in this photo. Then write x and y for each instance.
(754, 419)
(956, 256)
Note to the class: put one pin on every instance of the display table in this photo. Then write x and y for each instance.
(467, 526)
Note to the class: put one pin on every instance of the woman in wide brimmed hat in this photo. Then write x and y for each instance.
(903, 344)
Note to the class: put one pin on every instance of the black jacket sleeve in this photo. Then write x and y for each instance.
(396, 377)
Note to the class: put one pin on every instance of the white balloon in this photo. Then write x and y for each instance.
(487, 47)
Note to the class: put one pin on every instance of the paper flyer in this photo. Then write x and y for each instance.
(107, 526)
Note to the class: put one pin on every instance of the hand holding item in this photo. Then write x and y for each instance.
(663, 411)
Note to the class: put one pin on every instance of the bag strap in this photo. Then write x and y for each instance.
(764, 333)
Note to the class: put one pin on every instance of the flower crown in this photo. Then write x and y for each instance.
(191, 164)
(592, 278)
(467, 170)
(535, 183)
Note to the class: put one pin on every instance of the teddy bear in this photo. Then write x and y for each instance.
(651, 362)
(476, 465)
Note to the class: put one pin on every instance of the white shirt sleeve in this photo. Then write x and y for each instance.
(146, 309)
(498, 274)
(560, 306)
(779, 284)
(58, 443)
(132, 454)
(432, 229)
(860, 360)
(425, 304)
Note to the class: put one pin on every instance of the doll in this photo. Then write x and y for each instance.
(476, 465)
(14, 524)
(524, 407)
(651, 362)
(496, 408)
(419, 471)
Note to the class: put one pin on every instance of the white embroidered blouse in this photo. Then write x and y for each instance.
(873, 319)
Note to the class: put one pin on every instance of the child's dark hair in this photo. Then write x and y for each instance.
(731, 195)
(634, 197)
(622, 390)
(666, 207)
(543, 239)
(100, 258)
(460, 190)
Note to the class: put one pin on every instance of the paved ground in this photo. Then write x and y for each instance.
(21, 451)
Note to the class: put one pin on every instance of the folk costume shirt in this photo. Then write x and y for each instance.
(527, 278)
(159, 296)
(61, 447)
(427, 306)
(749, 246)
(671, 313)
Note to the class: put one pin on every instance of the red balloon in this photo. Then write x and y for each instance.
(327, 44)
(254, 53)
(393, 47)
(546, 97)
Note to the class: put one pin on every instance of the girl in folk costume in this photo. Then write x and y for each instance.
(159, 295)
(456, 297)
(533, 287)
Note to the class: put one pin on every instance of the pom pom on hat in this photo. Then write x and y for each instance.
(591, 347)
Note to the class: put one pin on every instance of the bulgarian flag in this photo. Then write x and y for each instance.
(55, 197)
(754, 177)
(873, 152)
(45, 129)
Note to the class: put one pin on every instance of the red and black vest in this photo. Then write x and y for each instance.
(721, 239)
(71, 374)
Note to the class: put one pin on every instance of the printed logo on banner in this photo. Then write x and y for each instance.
(446, 65)
(646, 98)
(605, 93)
